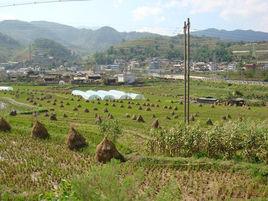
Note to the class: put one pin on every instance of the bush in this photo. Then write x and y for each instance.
(110, 129)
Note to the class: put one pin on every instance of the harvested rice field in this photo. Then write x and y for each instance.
(225, 158)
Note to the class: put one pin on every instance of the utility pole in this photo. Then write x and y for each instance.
(185, 73)
(188, 70)
(186, 30)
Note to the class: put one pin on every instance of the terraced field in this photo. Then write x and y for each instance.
(34, 169)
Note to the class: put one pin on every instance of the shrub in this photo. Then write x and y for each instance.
(110, 129)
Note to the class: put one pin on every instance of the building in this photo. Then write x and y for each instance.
(126, 78)
(207, 100)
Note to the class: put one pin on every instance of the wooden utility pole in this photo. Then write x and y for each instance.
(188, 70)
(185, 73)
(186, 30)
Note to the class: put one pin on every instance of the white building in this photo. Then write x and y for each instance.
(126, 78)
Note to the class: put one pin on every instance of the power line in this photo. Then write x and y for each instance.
(38, 2)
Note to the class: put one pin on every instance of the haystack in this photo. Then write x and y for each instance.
(110, 116)
(13, 113)
(224, 118)
(148, 109)
(105, 110)
(122, 106)
(192, 118)
(46, 114)
(75, 140)
(4, 125)
(75, 109)
(53, 117)
(86, 110)
(129, 107)
(153, 116)
(39, 131)
(127, 115)
(140, 119)
(134, 117)
(209, 122)
(140, 108)
(65, 115)
(106, 150)
(155, 124)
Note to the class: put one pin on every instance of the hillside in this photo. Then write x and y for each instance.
(47, 52)
(236, 35)
(82, 41)
(8, 47)
(202, 49)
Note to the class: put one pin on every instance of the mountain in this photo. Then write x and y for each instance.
(236, 35)
(83, 41)
(47, 53)
(8, 47)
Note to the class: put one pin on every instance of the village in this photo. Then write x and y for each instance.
(120, 72)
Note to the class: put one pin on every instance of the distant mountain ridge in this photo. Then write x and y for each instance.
(236, 35)
(81, 40)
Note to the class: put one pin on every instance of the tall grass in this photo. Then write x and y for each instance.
(246, 141)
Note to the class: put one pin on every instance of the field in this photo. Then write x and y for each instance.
(200, 168)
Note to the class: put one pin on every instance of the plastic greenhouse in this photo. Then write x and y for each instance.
(106, 95)
(119, 94)
(4, 88)
(135, 96)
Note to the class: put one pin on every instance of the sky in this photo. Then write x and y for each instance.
(158, 16)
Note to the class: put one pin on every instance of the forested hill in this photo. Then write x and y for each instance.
(202, 49)
(8, 47)
(50, 53)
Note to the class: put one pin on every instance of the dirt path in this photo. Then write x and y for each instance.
(14, 102)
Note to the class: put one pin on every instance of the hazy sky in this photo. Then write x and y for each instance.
(160, 16)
